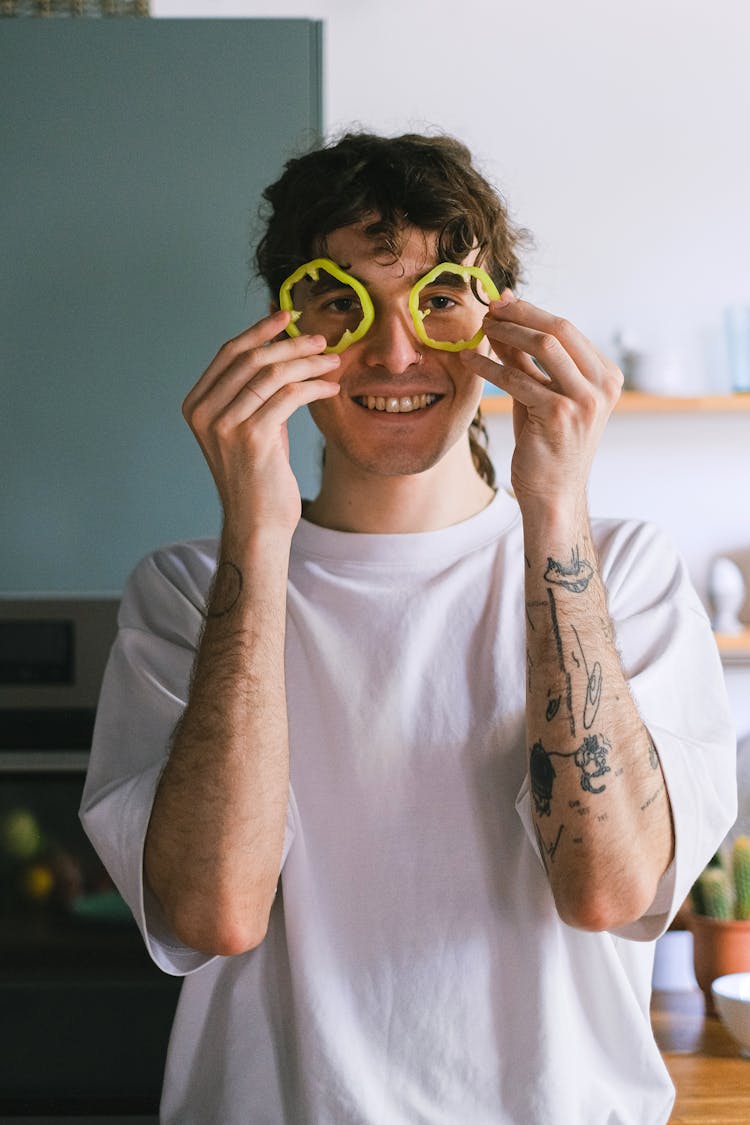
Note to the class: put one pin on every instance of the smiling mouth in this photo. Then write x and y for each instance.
(407, 404)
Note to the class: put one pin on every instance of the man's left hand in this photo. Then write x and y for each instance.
(563, 391)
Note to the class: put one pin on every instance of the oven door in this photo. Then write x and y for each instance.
(86, 1015)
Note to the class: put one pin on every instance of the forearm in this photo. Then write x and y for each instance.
(599, 800)
(214, 843)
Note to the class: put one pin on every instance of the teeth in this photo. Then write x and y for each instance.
(404, 405)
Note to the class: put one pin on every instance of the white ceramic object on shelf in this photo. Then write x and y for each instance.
(726, 587)
(673, 962)
(657, 373)
(737, 324)
(732, 999)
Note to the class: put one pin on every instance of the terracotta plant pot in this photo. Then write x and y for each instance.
(719, 947)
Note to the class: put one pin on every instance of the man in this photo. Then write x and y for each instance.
(484, 741)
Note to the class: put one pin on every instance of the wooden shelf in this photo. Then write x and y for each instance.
(734, 647)
(636, 402)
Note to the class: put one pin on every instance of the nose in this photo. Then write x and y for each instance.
(392, 342)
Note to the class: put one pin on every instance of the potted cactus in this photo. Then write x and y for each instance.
(720, 918)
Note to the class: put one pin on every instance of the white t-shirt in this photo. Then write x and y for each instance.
(415, 971)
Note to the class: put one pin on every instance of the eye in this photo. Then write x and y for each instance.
(439, 303)
(342, 305)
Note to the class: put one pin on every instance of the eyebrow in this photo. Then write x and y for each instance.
(326, 283)
(448, 279)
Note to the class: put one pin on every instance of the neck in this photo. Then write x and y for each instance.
(354, 500)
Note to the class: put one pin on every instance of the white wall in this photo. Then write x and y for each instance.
(619, 135)
(618, 132)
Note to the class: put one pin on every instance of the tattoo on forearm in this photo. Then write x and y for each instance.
(590, 758)
(542, 849)
(654, 797)
(529, 607)
(561, 661)
(653, 757)
(593, 685)
(228, 583)
(542, 775)
(548, 850)
(573, 576)
(553, 706)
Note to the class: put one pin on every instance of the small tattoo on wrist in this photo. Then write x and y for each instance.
(228, 583)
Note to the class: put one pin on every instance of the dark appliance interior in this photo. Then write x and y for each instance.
(85, 1015)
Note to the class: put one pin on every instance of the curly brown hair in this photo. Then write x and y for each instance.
(428, 182)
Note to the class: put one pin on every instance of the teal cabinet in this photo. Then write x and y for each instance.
(134, 153)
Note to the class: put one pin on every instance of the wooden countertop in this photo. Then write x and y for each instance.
(711, 1076)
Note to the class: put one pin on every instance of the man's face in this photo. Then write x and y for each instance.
(391, 367)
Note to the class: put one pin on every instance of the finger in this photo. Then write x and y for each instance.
(527, 315)
(273, 381)
(547, 349)
(277, 374)
(230, 404)
(280, 407)
(523, 312)
(259, 334)
(303, 356)
(574, 366)
(253, 346)
(514, 357)
(530, 389)
(558, 339)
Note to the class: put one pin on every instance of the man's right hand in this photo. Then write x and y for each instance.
(238, 411)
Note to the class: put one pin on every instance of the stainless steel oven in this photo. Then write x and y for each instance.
(84, 1014)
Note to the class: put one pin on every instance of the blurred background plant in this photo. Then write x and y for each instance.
(722, 890)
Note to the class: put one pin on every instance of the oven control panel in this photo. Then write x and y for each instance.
(53, 651)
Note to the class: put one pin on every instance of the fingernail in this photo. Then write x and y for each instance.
(507, 297)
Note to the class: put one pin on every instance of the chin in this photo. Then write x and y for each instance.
(398, 463)
(402, 458)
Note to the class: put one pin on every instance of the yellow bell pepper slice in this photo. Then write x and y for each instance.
(312, 270)
(418, 316)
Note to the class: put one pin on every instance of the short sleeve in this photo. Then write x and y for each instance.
(672, 665)
(144, 692)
